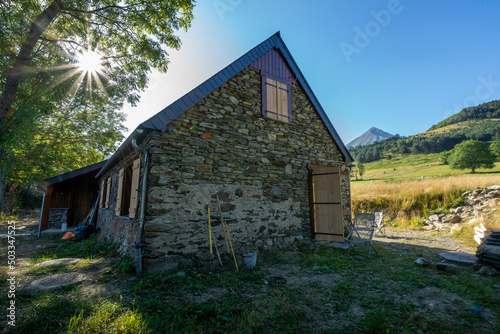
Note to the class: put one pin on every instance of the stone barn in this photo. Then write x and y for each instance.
(255, 136)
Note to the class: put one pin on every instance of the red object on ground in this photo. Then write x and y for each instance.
(68, 235)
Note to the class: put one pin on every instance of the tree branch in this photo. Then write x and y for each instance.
(59, 40)
(95, 10)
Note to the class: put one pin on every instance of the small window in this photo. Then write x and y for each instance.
(128, 188)
(276, 98)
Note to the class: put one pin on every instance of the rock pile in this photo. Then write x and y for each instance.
(477, 203)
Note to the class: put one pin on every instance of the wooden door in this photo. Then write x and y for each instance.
(326, 203)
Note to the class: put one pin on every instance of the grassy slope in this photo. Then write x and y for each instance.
(414, 166)
(460, 126)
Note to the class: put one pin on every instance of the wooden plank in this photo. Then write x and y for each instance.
(271, 103)
(108, 192)
(329, 222)
(326, 203)
(118, 208)
(102, 199)
(46, 208)
(136, 171)
(283, 110)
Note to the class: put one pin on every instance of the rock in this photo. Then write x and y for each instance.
(448, 267)
(434, 218)
(491, 188)
(422, 262)
(457, 210)
(456, 227)
(427, 222)
(233, 100)
(181, 274)
(451, 219)
(488, 271)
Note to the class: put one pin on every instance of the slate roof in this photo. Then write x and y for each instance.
(174, 110)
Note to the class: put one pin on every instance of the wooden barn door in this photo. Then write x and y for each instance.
(326, 203)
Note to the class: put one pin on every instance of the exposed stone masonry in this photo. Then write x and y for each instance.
(256, 166)
(57, 216)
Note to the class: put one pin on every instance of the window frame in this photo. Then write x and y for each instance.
(286, 82)
(126, 196)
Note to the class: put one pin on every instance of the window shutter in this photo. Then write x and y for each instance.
(108, 193)
(282, 98)
(118, 208)
(136, 171)
(102, 199)
(272, 101)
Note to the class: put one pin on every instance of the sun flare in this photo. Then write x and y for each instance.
(89, 62)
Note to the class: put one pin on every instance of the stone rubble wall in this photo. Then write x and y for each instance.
(256, 166)
(478, 202)
(57, 216)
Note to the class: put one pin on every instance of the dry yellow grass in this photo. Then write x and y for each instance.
(411, 198)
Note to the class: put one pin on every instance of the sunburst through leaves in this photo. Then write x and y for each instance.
(87, 63)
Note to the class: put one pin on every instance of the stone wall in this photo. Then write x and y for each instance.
(122, 230)
(57, 216)
(256, 166)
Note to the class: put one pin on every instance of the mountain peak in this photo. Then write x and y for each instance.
(372, 135)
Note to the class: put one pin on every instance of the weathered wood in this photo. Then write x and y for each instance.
(136, 171)
(119, 195)
(327, 217)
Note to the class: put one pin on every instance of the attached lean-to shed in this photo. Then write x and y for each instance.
(253, 135)
(69, 197)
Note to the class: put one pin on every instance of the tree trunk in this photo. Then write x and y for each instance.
(10, 196)
(17, 72)
(2, 178)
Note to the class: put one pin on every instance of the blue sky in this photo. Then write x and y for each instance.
(401, 66)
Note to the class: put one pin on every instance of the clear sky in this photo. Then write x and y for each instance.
(401, 66)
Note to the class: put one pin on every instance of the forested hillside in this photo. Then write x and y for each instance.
(480, 123)
(487, 110)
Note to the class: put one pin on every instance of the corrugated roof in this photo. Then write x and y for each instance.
(177, 108)
(75, 173)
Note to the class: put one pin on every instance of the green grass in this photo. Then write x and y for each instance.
(324, 297)
(414, 166)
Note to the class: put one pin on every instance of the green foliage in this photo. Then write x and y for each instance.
(495, 148)
(444, 156)
(62, 118)
(436, 141)
(471, 154)
(483, 111)
(361, 169)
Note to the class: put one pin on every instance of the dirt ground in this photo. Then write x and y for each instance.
(331, 297)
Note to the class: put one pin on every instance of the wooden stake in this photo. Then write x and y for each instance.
(210, 231)
(222, 222)
(228, 235)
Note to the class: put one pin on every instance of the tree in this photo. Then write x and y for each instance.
(471, 154)
(495, 148)
(39, 38)
(361, 169)
(58, 111)
(444, 156)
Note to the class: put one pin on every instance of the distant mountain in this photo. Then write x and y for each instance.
(371, 136)
(489, 110)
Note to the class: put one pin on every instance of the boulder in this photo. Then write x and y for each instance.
(448, 267)
(457, 210)
(434, 218)
(422, 262)
(451, 219)
(488, 271)
(492, 188)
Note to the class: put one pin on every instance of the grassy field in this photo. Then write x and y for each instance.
(311, 288)
(415, 166)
